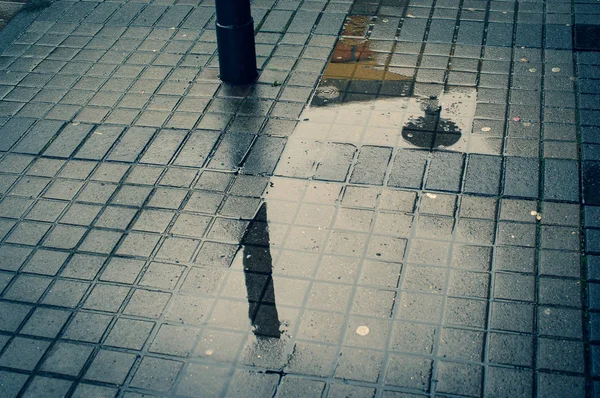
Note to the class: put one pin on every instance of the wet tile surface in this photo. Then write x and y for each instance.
(392, 210)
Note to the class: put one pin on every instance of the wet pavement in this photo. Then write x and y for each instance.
(394, 209)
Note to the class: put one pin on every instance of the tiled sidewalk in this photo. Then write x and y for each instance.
(394, 212)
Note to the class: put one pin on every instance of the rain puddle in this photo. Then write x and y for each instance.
(362, 100)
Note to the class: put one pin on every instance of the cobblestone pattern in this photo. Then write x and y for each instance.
(129, 177)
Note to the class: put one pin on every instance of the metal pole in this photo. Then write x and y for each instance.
(235, 41)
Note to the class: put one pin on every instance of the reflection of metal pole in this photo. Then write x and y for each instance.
(258, 273)
(235, 40)
(432, 106)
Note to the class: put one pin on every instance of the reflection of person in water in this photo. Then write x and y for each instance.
(258, 274)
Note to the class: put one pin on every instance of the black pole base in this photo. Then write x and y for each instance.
(237, 54)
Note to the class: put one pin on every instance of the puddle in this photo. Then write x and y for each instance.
(361, 100)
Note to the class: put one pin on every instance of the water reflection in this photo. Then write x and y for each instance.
(258, 275)
(431, 118)
(363, 87)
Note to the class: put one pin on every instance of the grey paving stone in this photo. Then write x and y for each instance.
(560, 322)
(590, 183)
(290, 385)
(12, 382)
(595, 355)
(264, 155)
(517, 234)
(230, 151)
(23, 353)
(67, 358)
(483, 174)
(27, 288)
(256, 383)
(592, 240)
(509, 382)
(458, 378)
(46, 385)
(174, 340)
(98, 144)
(521, 177)
(560, 263)
(511, 349)
(198, 17)
(38, 137)
(552, 385)
(163, 147)
(561, 180)
(87, 326)
(5, 279)
(90, 390)
(106, 297)
(302, 22)
(129, 333)
(371, 165)
(125, 15)
(445, 171)
(156, 374)
(45, 322)
(276, 21)
(122, 270)
(67, 140)
(416, 372)
(512, 316)
(149, 15)
(554, 237)
(560, 292)
(329, 24)
(408, 169)
(561, 214)
(197, 376)
(196, 149)
(560, 355)
(335, 162)
(147, 303)
(499, 34)
(593, 296)
(12, 315)
(110, 366)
